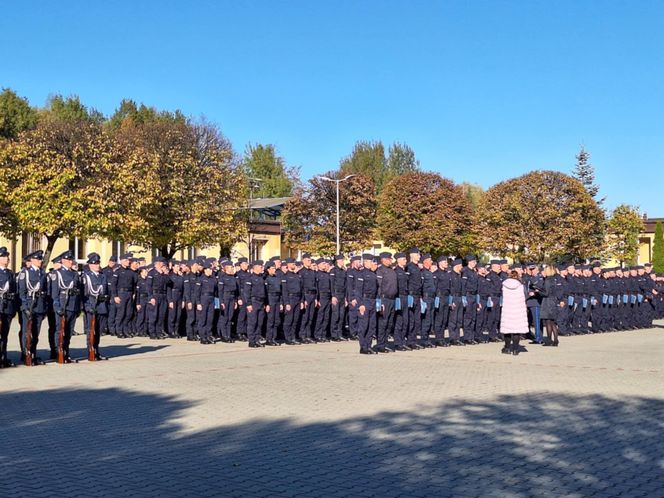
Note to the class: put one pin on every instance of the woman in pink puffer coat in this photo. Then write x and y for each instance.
(514, 315)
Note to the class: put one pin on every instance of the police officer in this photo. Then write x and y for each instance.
(469, 279)
(414, 298)
(254, 294)
(205, 291)
(242, 275)
(388, 291)
(323, 301)
(338, 301)
(175, 296)
(456, 303)
(188, 295)
(108, 272)
(275, 303)
(493, 282)
(142, 298)
(534, 284)
(429, 284)
(310, 291)
(7, 305)
(33, 292)
(123, 286)
(291, 292)
(351, 275)
(401, 303)
(95, 301)
(443, 276)
(227, 290)
(65, 289)
(366, 292)
(158, 284)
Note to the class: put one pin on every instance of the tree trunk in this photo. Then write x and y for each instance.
(50, 244)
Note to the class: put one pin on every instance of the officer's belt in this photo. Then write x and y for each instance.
(369, 296)
(207, 294)
(383, 296)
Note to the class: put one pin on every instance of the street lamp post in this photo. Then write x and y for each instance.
(337, 182)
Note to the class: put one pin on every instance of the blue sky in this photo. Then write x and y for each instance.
(482, 90)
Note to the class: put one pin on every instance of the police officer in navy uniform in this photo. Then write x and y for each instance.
(158, 284)
(291, 292)
(50, 313)
(401, 303)
(33, 294)
(189, 287)
(388, 291)
(414, 297)
(338, 301)
(95, 300)
(227, 290)
(66, 293)
(108, 272)
(429, 283)
(7, 305)
(275, 303)
(205, 291)
(242, 275)
(366, 292)
(254, 294)
(456, 303)
(123, 286)
(443, 276)
(351, 275)
(470, 282)
(175, 296)
(310, 291)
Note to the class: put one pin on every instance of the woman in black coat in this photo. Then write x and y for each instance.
(549, 306)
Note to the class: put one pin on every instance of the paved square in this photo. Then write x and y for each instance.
(172, 418)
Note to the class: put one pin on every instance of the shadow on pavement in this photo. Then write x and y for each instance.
(119, 442)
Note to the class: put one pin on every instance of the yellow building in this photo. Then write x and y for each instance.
(265, 239)
(647, 239)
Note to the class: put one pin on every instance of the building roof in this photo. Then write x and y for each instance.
(649, 224)
(268, 203)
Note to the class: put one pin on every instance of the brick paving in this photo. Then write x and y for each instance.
(171, 418)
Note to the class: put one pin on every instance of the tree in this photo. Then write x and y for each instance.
(276, 179)
(182, 186)
(368, 159)
(658, 249)
(541, 216)
(474, 193)
(584, 172)
(70, 109)
(623, 229)
(425, 210)
(57, 180)
(16, 114)
(130, 114)
(309, 217)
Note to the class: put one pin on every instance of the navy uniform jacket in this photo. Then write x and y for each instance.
(456, 285)
(291, 288)
(367, 287)
(142, 291)
(158, 284)
(33, 286)
(469, 282)
(324, 285)
(188, 287)
(484, 287)
(242, 276)
(443, 284)
(95, 292)
(534, 283)
(124, 281)
(351, 277)
(338, 276)
(66, 290)
(176, 288)
(428, 284)
(254, 292)
(388, 283)
(205, 289)
(7, 291)
(414, 279)
(402, 280)
(273, 284)
(308, 277)
(495, 282)
(227, 286)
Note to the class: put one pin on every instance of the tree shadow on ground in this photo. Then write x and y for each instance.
(118, 442)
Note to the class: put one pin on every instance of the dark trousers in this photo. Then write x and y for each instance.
(469, 319)
(141, 320)
(291, 318)
(226, 312)
(255, 319)
(366, 323)
(52, 327)
(426, 324)
(338, 318)
(157, 316)
(385, 321)
(205, 318)
(5, 322)
(241, 319)
(308, 316)
(441, 318)
(534, 321)
(124, 313)
(110, 322)
(101, 322)
(273, 319)
(353, 315)
(580, 317)
(492, 318)
(456, 318)
(401, 322)
(63, 335)
(37, 319)
(174, 317)
(414, 321)
(190, 321)
(323, 317)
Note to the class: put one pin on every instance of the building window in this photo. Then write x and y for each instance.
(257, 249)
(77, 248)
(117, 248)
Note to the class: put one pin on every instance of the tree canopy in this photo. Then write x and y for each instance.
(543, 215)
(309, 217)
(658, 249)
(425, 210)
(623, 229)
(275, 179)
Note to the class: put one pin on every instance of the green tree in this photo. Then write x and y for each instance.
(542, 215)
(130, 114)
(276, 179)
(70, 109)
(425, 210)
(16, 114)
(309, 217)
(658, 249)
(584, 172)
(623, 229)
(474, 193)
(369, 159)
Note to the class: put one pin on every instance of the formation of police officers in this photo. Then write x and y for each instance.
(405, 302)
